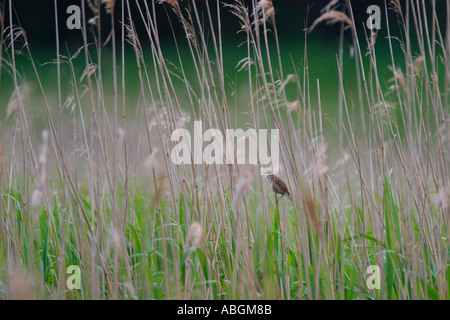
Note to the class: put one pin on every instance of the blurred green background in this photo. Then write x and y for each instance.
(37, 18)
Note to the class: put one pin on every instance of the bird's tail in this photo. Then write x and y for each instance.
(290, 198)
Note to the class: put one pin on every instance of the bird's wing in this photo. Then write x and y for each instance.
(282, 185)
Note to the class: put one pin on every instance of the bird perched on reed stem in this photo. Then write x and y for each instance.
(278, 187)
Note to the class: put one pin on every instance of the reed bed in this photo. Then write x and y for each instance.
(95, 186)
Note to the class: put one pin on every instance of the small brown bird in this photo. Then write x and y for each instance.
(279, 187)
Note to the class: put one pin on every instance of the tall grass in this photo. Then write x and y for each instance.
(97, 188)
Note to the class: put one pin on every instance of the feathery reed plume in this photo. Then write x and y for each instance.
(172, 3)
(332, 17)
(320, 155)
(17, 95)
(240, 10)
(13, 104)
(266, 11)
(162, 189)
(395, 6)
(442, 198)
(116, 239)
(244, 64)
(15, 35)
(181, 121)
(93, 5)
(383, 108)
(120, 136)
(109, 5)
(309, 203)
(38, 192)
(93, 21)
(149, 163)
(243, 183)
(163, 119)
(133, 39)
(399, 77)
(372, 41)
(88, 71)
(283, 84)
(154, 167)
(295, 106)
(196, 236)
(69, 103)
(330, 6)
(418, 67)
(188, 24)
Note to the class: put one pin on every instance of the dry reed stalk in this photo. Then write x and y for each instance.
(266, 11)
(39, 190)
(332, 17)
(2, 167)
(2, 19)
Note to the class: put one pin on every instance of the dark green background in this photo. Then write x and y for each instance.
(37, 19)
